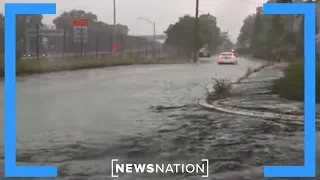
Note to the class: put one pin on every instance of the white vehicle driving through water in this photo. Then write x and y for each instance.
(227, 58)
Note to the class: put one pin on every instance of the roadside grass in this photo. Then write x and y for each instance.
(222, 87)
(291, 86)
(250, 71)
(26, 67)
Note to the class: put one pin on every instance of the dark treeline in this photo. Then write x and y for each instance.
(181, 35)
(99, 34)
(273, 37)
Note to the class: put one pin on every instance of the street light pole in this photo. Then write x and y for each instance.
(196, 29)
(26, 38)
(154, 34)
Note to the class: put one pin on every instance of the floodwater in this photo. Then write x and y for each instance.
(81, 120)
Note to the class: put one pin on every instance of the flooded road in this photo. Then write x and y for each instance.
(80, 120)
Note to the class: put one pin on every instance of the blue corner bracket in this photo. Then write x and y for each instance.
(11, 169)
(309, 167)
(12, 9)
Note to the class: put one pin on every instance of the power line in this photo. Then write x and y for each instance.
(243, 1)
(251, 2)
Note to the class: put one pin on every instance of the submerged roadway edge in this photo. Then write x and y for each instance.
(239, 111)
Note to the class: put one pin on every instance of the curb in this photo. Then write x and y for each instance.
(268, 115)
(237, 111)
(260, 81)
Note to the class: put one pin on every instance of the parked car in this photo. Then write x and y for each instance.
(45, 54)
(204, 53)
(227, 58)
(26, 55)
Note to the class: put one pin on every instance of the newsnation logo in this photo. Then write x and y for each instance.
(177, 168)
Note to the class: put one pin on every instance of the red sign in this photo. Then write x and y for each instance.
(80, 22)
(115, 47)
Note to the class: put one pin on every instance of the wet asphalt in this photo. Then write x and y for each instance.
(81, 120)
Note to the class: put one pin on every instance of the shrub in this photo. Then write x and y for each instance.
(291, 86)
(248, 72)
(222, 86)
(221, 89)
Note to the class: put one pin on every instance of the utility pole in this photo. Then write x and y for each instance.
(64, 41)
(110, 43)
(154, 40)
(37, 41)
(121, 44)
(139, 47)
(114, 23)
(81, 44)
(26, 39)
(196, 29)
(97, 46)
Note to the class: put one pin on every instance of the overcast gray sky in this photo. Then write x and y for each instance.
(230, 13)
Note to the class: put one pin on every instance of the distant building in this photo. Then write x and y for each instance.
(48, 27)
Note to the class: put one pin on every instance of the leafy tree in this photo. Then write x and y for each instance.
(1, 33)
(246, 31)
(66, 18)
(300, 40)
(227, 44)
(24, 22)
(275, 33)
(255, 40)
(211, 35)
(181, 34)
(274, 36)
(64, 21)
